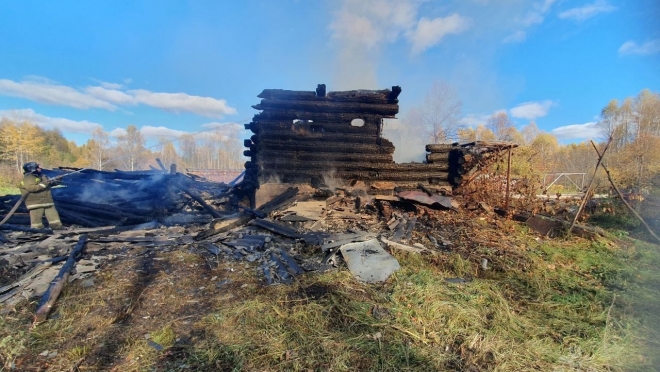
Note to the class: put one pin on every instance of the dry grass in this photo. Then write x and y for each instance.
(544, 305)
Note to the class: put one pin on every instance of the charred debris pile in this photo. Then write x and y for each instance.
(90, 198)
(339, 195)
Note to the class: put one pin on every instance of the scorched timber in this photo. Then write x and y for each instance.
(306, 175)
(316, 156)
(334, 127)
(318, 117)
(268, 163)
(316, 137)
(437, 157)
(363, 96)
(386, 147)
(440, 148)
(320, 106)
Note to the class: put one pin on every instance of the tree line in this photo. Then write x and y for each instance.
(633, 157)
(21, 142)
(633, 124)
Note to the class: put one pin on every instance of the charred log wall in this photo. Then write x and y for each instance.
(313, 136)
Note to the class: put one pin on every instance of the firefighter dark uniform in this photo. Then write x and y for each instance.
(38, 198)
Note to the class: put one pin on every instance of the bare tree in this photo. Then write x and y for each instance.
(98, 147)
(131, 146)
(438, 115)
(168, 152)
(501, 126)
(189, 150)
(530, 132)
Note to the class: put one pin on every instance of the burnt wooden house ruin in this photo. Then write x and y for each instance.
(333, 138)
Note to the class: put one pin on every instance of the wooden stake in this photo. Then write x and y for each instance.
(609, 177)
(588, 191)
(508, 182)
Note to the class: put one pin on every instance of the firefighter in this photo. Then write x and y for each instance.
(38, 198)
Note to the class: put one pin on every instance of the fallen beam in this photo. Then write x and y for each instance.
(50, 297)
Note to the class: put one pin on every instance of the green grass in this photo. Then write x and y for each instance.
(8, 190)
(549, 305)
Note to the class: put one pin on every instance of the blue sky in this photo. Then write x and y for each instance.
(170, 67)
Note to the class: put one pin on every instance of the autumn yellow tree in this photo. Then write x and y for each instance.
(20, 143)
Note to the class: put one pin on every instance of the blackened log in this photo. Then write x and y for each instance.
(160, 164)
(225, 224)
(268, 163)
(370, 128)
(195, 197)
(332, 117)
(294, 176)
(405, 185)
(277, 228)
(438, 157)
(386, 147)
(323, 137)
(315, 156)
(330, 107)
(282, 94)
(239, 219)
(440, 147)
(357, 96)
(173, 168)
(384, 96)
(279, 201)
(53, 292)
(70, 217)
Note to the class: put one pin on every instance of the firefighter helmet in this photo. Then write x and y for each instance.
(30, 167)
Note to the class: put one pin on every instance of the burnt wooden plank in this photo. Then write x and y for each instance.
(327, 156)
(328, 106)
(273, 114)
(366, 166)
(369, 127)
(305, 136)
(439, 147)
(383, 96)
(385, 147)
(294, 176)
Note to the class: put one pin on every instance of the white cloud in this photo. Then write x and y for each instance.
(46, 122)
(107, 85)
(178, 102)
(156, 132)
(48, 93)
(577, 131)
(372, 23)
(537, 14)
(430, 32)
(515, 37)
(474, 120)
(109, 95)
(531, 110)
(585, 12)
(217, 125)
(631, 47)
(117, 132)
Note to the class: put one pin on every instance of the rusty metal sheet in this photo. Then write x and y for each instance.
(424, 198)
